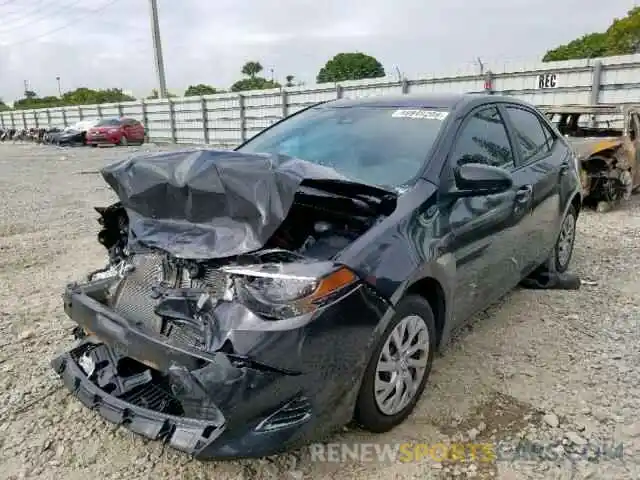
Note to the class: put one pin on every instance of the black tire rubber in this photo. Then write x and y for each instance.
(123, 141)
(556, 261)
(367, 414)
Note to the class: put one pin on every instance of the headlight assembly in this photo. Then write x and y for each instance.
(281, 290)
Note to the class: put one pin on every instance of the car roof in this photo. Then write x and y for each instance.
(449, 101)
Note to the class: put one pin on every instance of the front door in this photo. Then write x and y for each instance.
(484, 231)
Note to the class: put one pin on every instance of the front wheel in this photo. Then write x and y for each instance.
(563, 249)
(123, 141)
(399, 366)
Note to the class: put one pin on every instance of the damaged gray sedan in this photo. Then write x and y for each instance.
(259, 299)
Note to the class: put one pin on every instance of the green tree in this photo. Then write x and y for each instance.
(350, 66)
(4, 106)
(88, 96)
(255, 83)
(32, 101)
(621, 38)
(199, 90)
(155, 94)
(251, 69)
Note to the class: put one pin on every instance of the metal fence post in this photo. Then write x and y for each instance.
(64, 117)
(145, 118)
(120, 111)
(24, 119)
(172, 119)
(35, 118)
(99, 111)
(13, 121)
(48, 117)
(405, 86)
(80, 115)
(284, 98)
(243, 119)
(339, 91)
(205, 121)
(596, 82)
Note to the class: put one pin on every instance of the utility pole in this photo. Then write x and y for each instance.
(157, 49)
(59, 89)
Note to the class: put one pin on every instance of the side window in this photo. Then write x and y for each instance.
(531, 135)
(484, 139)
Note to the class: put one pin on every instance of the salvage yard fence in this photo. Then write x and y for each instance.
(226, 120)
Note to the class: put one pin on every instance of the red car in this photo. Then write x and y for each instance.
(116, 131)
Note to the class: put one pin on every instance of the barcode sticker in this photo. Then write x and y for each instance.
(420, 114)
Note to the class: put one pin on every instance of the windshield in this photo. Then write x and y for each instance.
(108, 122)
(375, 145)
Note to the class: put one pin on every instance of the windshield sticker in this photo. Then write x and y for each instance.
(420, 114)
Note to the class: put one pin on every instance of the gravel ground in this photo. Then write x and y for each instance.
(559, 368)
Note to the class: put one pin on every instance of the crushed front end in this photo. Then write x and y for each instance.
(225, 357)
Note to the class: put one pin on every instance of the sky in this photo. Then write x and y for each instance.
(108, 43)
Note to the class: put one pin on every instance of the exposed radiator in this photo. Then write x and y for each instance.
(134, 300)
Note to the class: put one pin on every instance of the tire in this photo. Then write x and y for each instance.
(369, 413)
(123, 141)
(563, 249)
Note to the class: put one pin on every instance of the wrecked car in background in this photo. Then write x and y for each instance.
(605, 139)
(259, 299)
(75, 134)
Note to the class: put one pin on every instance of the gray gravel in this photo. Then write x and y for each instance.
(559, 368)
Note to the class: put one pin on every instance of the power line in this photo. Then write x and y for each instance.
(45, 17)
(37, 37)
(22, 12)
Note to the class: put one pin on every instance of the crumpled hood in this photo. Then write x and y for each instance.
(205, 203)
(584, 147)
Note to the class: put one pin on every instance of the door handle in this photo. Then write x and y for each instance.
(524, 194)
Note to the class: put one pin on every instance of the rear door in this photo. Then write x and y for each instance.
(485, 231)
(542, 166)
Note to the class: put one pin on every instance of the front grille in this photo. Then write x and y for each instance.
(133, 297)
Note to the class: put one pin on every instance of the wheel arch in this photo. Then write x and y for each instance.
(433, 292)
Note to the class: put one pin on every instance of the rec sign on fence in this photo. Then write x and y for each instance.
(548, 80)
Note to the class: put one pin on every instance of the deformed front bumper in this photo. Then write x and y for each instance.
(219, 404)
(184, 434)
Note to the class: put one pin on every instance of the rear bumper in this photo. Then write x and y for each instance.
(224, 405)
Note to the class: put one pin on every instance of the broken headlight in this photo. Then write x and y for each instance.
(283, 290)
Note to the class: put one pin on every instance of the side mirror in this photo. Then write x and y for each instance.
(477, 179)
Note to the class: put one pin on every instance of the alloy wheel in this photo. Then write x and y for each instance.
(401, 365)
